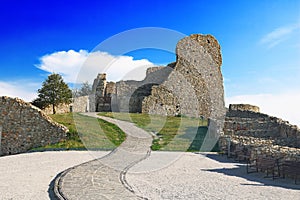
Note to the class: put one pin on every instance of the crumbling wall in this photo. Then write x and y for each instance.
(80, 104)
(196, 81)
(110, 89)
(131, 94)
(102, 94)
(125, 90)
(191, 86)
(60, 108)
(24, 126)
(243, 107)
(261, 133)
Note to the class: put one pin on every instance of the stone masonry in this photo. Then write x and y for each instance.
(192, 86)
(24, 127)
(103, 94)
(78, 104)
(261, 133)
(243, 107)
(125, 96)
(61, 108)
(195, 86)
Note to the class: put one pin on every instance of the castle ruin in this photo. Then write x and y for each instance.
(260, 134)
(191, 86)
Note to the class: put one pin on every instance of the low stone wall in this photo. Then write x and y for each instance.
(24, 127)
(80, 104)
(61, 108)
(244, 107)
(262, 134)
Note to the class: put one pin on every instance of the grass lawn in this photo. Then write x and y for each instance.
(173, 133)
(88, 133)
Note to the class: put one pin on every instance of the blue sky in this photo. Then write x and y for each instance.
(259, 39)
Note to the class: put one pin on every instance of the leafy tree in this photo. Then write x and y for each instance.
(53, 92)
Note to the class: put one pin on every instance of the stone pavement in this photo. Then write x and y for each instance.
(105, 178)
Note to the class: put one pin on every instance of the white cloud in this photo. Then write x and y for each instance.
(278, 35)
(77, 67)
(285, 105)
(82, 66)
(22, 89)
(66, 63)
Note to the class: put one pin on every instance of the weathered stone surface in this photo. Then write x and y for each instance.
(80, 104)
(261, 133)
(61, 108)
(110, 89)
(244, 107)
(196, 81)
(191, 86)
(24, 127)
(211, 45)
(165, 102)
(99, 85)
(102, 94)
(131, 94)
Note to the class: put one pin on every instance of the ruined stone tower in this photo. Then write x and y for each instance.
(195, 85)
(103, 93)
(191, 86)
(99, 85)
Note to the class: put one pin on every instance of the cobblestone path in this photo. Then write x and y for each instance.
(105, 178)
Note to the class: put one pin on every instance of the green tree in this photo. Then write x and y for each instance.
(53, 92)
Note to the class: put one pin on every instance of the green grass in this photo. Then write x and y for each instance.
(86, 133)
(173, 133)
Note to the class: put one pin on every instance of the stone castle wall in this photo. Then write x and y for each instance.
(195, 86)
(243, 107)
(80, 104)
(192, 86)
(110, 89)
(125, 96)
(61, 108)
(131, 94)
(24, 127)
(125, 90)
(261, 133)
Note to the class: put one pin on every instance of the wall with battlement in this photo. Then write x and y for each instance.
(24, 126)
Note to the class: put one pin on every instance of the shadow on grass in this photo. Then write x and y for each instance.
(259, 179)
(196, 135)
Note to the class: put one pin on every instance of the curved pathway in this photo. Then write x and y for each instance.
(105, 178)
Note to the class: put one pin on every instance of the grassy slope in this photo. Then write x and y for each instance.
(174, 133)
(89, 133)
